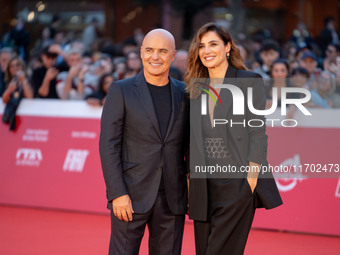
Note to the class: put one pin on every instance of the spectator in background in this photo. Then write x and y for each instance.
(280, 79)
(20, 38)
(294, 63)
(332, 52)
(44, 40)
(5, 37)
(254, 47)
(129, 45)
(55, 46)
(279, 73)
(328, 34)
(323, 93)
(54, 28)
(119, 68)
(135, 41)
(16, 80)
(180, 62)
(90, 34)
(175, 73)
(59, 38)
(5, 55)
(245, 55)
(269, 52)
(334, 68)
(61, 56)
(104, 65)
(138, 35)
(44, 78)
(60, 41)
(98, 98)
(301, 50)
(87, 59)
(289, 51)
(76, 44)
(301, 35)
(70, 84)
(133, 64)
(299, 78)
(309, 62)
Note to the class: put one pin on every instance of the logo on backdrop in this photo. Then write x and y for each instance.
(337, 191)
(84, 134)
(287, 184)
(75, 160)
(35, 135)
(28, 157)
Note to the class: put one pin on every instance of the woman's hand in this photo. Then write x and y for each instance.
(83, 70)
(74, 71)
(252, 183)
(252, 177)
(20, 76)
(51, 73)
(12, 86)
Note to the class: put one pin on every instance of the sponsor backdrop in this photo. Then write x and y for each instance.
(52, 161)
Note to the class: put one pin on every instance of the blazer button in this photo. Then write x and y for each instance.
(239, 138)
(159, 168)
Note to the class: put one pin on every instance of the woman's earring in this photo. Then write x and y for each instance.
(228, 54)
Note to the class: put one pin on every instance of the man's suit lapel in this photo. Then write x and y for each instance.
(196, 135)
(176, 99)
(145, 98)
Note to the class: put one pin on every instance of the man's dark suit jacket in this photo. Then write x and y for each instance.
(245, 143)
(132, 151)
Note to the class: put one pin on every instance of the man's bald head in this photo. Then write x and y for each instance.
(157, 53)
(160, 34)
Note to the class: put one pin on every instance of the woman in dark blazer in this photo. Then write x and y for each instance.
(222, 203)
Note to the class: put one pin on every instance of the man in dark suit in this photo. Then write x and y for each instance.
(142, 149)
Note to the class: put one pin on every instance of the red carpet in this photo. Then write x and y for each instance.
(39, 232)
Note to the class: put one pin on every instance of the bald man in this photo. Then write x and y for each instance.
(143, 141)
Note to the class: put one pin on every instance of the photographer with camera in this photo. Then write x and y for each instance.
(44, 78)
(75, 84)
(17, 83)
(67, 85)
(5, 55)
(17, 87)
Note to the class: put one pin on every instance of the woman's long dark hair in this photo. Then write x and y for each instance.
(270, 85)
(101, 82)
(8, 76)
(195, 67)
